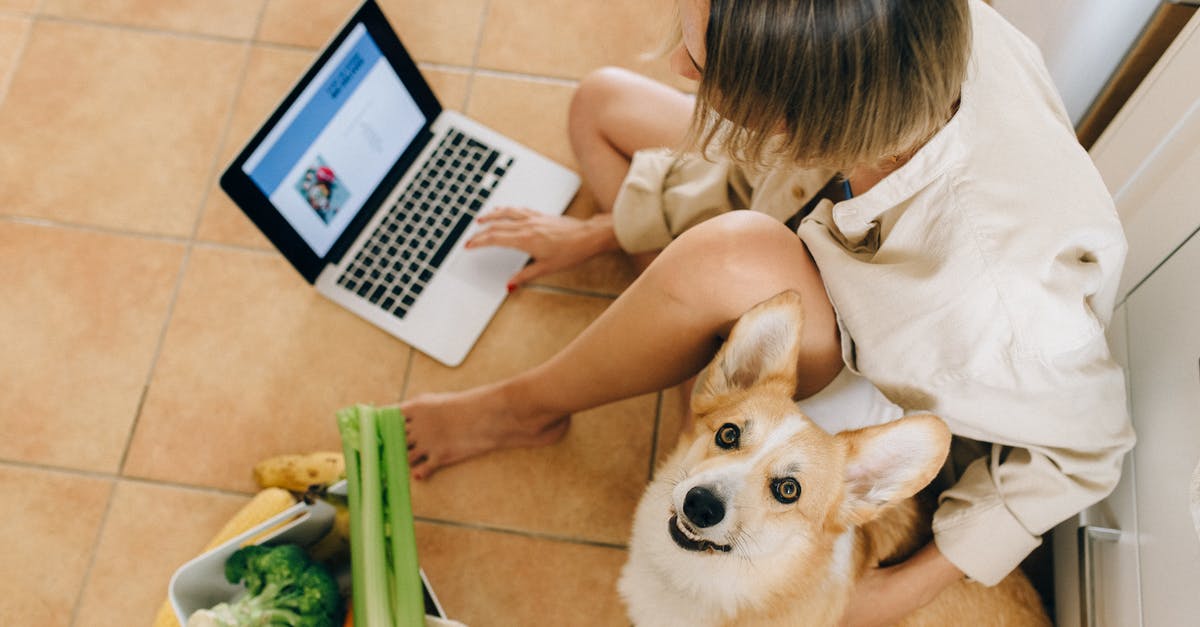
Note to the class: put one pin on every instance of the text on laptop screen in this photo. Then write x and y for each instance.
(336, 143)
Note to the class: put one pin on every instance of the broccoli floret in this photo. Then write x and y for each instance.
(237, 567)
(284, 587)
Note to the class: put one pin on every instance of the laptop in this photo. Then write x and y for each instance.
(370, 189)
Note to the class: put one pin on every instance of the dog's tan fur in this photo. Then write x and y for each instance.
(791, 564)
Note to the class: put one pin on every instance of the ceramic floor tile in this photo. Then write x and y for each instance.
(254, 364)
(114, 127)
(567, 38)
(150, 531)
(586, 486)
(531, 112)
(81, 321)
(441, 31)
(449, 85)
(49, 525)
(226, 18)
(499, 579)
(24, 6)
(306, 23)
(592, 477)
(670, 423)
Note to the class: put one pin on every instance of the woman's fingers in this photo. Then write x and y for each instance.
(529, 273)
(502, 235)
(505, 213)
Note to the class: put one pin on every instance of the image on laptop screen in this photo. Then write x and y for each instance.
(334, 146)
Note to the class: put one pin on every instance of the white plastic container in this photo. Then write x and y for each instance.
(201, 583)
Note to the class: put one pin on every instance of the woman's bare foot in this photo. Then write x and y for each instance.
(445, 429)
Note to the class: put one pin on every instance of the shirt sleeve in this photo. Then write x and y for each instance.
(1060, 429)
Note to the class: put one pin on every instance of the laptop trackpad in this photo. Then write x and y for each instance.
(487, 268)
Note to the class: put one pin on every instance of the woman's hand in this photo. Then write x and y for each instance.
(884, 596)
(555, 242)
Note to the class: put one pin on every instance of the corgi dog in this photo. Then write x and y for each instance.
(760, 517)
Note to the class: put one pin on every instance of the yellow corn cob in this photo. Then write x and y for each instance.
(264, 505)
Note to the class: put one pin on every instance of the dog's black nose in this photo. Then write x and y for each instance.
(703, 507)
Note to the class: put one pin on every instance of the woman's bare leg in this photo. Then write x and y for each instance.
(615, 113)
(660, 332)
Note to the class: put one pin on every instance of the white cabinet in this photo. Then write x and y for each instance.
(1164, 376)
(1148, 571)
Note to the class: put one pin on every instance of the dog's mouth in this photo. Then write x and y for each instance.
(689, 543)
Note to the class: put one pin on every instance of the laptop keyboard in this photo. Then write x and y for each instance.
(400, 258)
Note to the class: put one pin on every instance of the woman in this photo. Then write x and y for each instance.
(968, 270)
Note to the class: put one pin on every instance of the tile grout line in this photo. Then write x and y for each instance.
(146, 30)
(151, 237)
(22, 47)
(658, 409)
(532, 535)
(533, 78)
(408, 367)
(177, 288)
(87, 572)
(191, 244)
(474, 69)
(118, 478)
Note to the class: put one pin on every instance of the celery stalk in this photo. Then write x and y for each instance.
(347, 420)
(386, 582)
(408, 599)
(372, 524)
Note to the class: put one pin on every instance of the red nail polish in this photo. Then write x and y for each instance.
(512, 287)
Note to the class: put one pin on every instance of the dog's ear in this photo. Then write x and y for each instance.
(889, 462)
(764, 344)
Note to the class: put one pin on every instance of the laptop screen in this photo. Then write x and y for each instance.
(335, 144)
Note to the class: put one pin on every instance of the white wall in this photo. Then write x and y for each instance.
(1083, 40)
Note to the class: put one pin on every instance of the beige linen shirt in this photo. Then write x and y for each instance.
(974, 282)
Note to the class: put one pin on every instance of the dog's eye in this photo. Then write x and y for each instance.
(786, 490)
(727, 436)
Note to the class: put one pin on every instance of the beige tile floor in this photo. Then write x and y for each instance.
(154, 346)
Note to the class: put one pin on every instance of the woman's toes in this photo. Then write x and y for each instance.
(422, 469)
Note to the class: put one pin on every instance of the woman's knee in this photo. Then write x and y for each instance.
(734, 261)
(596, 93)
(739, 240)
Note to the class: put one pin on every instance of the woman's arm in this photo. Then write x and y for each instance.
(885, 595)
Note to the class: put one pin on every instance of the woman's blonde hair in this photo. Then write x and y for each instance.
(835, 83)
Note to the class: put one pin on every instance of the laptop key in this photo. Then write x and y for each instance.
(487, 165)
(377, 293)
(459, 228)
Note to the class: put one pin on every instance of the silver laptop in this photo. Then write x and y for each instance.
(370, 189)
